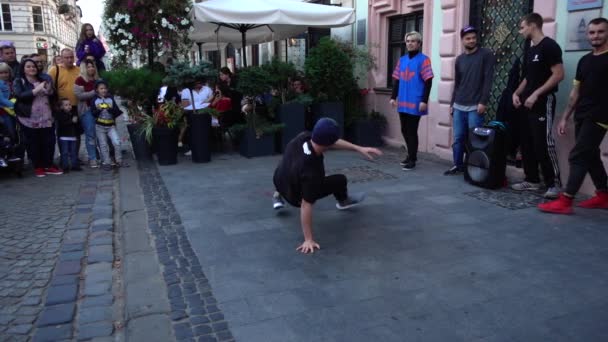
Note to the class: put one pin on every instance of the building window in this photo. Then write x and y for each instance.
(398, 27)
(6, 22)
(37, 16)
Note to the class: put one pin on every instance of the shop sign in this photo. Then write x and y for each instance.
(40, 45)
(575, 5)
(577, 29)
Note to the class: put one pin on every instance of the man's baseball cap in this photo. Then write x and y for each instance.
(467, 29)
(326, 132)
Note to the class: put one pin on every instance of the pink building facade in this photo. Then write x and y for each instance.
(440, 21)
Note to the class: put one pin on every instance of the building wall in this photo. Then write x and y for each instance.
(442, 44)
(58, 33)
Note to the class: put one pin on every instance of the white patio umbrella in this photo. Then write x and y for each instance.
(257, 21)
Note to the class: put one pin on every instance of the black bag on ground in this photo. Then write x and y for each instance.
(486, 162)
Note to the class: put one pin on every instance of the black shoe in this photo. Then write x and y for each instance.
(454, 170)
(77, 168)
(405, 161)
(410, 165)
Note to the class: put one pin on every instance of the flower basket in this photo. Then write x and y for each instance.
(64, 9)
(163, 128)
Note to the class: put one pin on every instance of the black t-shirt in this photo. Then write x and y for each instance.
(301, 172)
(539, 60)
(592, 74)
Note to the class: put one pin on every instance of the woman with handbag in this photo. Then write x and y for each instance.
(33, 109)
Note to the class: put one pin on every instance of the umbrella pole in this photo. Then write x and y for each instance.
(244, 49)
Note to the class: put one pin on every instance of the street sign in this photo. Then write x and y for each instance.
(575, 5)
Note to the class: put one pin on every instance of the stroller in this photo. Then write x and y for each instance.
(10, 152)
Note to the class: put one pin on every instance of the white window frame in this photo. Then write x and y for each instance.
(10, 12)
(41, 19)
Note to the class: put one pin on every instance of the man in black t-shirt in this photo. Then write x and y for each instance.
(543, 71)
(300, 176)
(589, 101)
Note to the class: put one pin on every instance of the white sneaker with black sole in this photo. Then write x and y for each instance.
(351, 201)
(277, 201)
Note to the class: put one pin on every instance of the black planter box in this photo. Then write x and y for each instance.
(293, 116)
(332, 110)
(366, 133)
(250, 146)
(166, 143)
(141, 148)
(200, 132)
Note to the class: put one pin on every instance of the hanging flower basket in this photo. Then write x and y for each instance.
(64, 9)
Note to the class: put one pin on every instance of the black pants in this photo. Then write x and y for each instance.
(332, 185)
(586, 157)
(40, 145)
(537, 143)
(409, 129)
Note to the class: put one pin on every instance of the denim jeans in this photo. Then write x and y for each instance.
(88, 125)
(69, 154)
(462, 123)
(9, 123)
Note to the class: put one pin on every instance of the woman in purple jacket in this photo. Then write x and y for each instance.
(89, 45)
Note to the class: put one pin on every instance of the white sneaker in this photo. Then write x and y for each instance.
(553, 192)
(277, 201)
(351, 201)
(187, 154)
(525, 186)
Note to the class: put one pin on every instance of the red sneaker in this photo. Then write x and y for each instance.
(53, 170)
(39, 172)
(599, 201)
(562, 205)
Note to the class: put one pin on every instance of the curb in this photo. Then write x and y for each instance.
(146, 306)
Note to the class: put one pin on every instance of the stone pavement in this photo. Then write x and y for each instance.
(56, 257)
(426, 258)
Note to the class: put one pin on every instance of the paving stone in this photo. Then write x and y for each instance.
(103, 228)
(21, 329)
(68, 267)
(100, 254)
(196, 320)
(64, 280)
(57, 314)
(95, 314)
(97, 329)
(178, 315)
(97, 289)
(31, 301)
(71, 256)
(204, 329)
(207, 338)
(61, 294)
(92, 270)
(220, 326)
(102, 222)
(24, 319)
(102, 240)
(224, 336)
(53, 333)
(103, 300)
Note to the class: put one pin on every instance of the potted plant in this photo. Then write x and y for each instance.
(137, 87)
(184, 76)
(329, 70)
(286, 109)
(257, 134)
(367, 129)
(163, 127)
(64, 8)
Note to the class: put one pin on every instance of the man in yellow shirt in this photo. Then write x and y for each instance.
(65, 77)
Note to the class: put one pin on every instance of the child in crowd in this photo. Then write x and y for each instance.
(105, 110)
(7, 105)
(68, 130)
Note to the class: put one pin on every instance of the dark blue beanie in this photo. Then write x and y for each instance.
(326, 132)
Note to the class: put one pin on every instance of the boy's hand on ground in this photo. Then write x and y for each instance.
(369, 152)
(308, 246)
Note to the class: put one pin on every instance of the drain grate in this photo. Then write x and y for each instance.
(361, 174)
(508, 198)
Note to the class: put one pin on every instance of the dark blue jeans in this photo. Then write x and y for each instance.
(69, 155)
(462, 123)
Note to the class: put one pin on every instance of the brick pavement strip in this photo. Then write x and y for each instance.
(44, 256)
(193, 308)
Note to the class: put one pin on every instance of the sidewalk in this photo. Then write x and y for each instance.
(425, 258)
